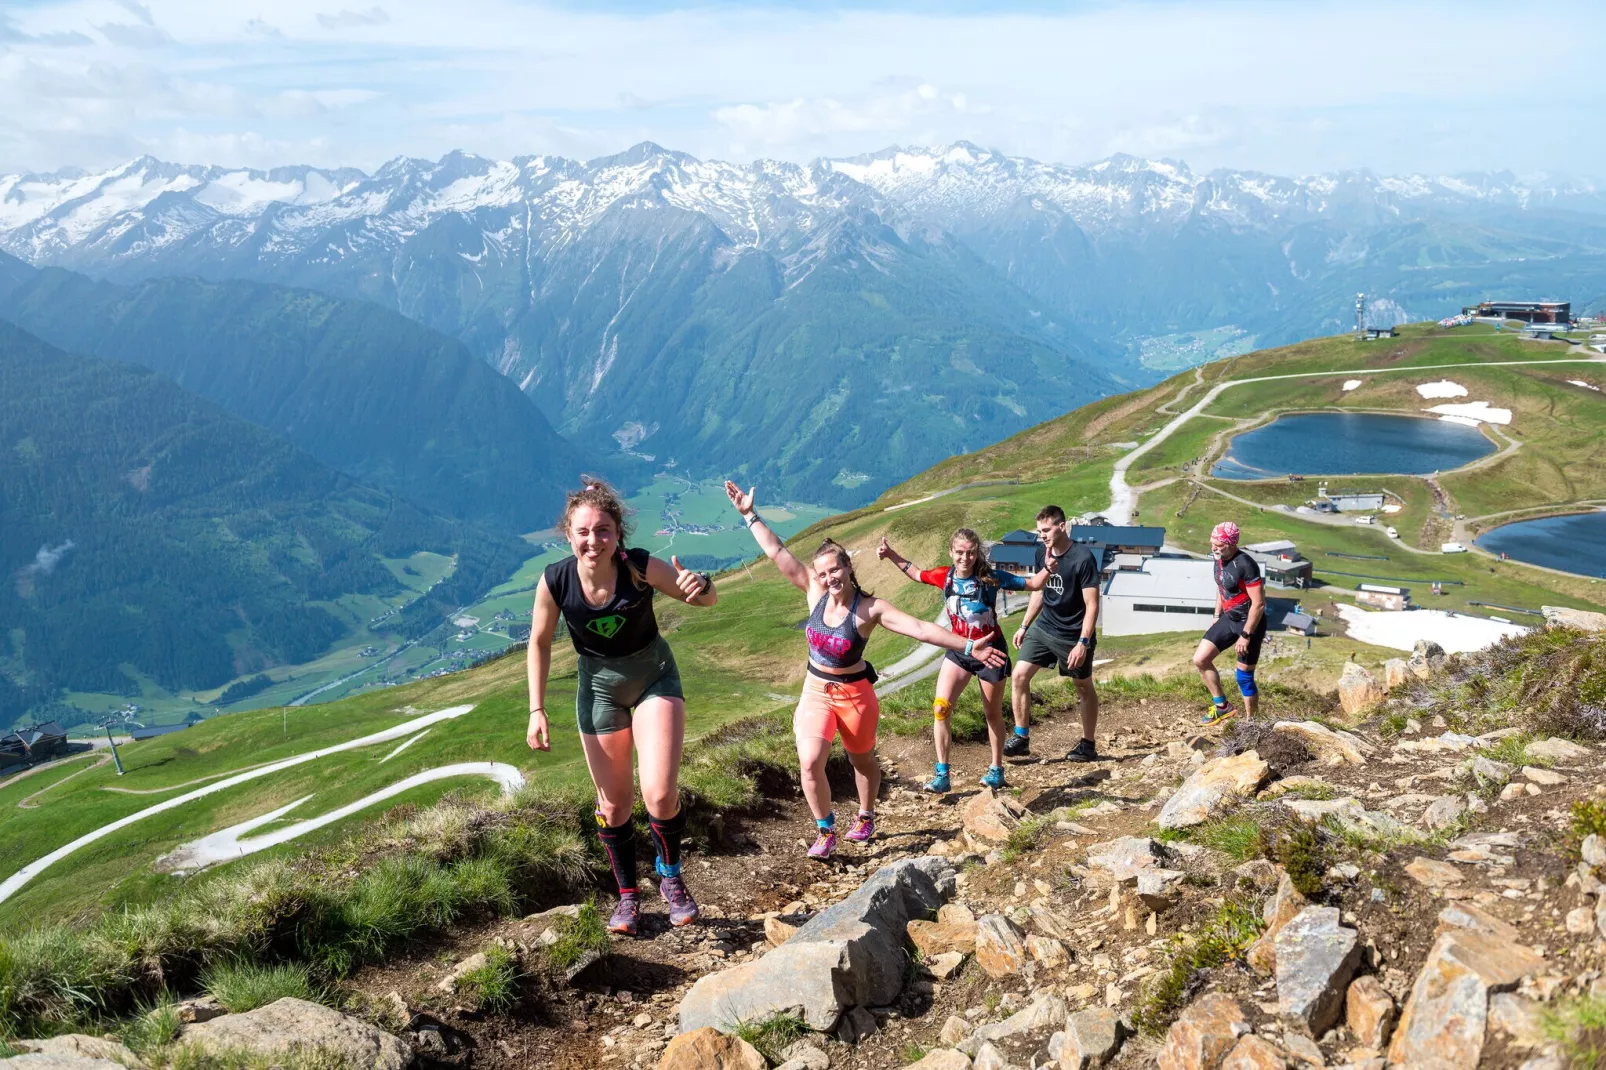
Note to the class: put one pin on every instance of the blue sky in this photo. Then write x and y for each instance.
(1290, 88)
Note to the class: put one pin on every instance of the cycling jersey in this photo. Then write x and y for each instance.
(971, 603)
(1234, 578)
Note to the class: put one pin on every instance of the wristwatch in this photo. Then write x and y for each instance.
(1084, 641)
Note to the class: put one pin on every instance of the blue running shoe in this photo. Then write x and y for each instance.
(940, 784)
(994, 777)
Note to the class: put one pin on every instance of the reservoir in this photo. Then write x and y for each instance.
(1349, 443)
(1575, 543)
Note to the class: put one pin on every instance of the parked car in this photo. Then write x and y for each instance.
(1452, 548)
(1367, 519)
(1392, 532)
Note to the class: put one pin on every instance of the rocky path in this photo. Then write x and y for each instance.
(1282, 894)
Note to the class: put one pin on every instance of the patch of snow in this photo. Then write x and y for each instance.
(1444, 388)
(1351, 384)
(1401, 629)
(1586, 386)
(1474, 412)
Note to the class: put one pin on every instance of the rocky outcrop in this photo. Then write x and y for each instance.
(1202, 1037)
(1000, 949)
(1358, 689)
(1283, 907)
(73, 1051)
(1582, 619)
(296, 1025)
(1208, 788)
(1332, 747)
(1091, 1039)
(850, 955)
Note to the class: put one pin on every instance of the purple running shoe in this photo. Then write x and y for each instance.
(863, 828)
(626, 918)
(682, 907)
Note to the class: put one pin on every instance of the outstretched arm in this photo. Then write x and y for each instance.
(693, 588)
(768, 541)
(543, 625)
(894, 619)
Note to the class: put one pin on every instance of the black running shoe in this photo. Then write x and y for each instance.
(1017, 746)
(1083, 752)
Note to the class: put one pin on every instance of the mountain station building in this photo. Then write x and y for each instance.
(1020, 552)
(1526, 311)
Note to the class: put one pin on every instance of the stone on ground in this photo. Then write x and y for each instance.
(1335, 748)
(1490, 773)
(1434, 875)
(1559, 750)
(1543, 777)
(1212, 784)
(934, 938)
(1444, 811)
(999, 948)
(778, 930)
(954, 1030)
(1446, 1016)
(1091, 1038)
(1202, 1037)
(850, 955)
(709, 1049)
(455, 975)
(989, 817)
(1396, 672)
(44, 1061)
(1254, 1053)
(1315, 958)
(941, 1059)
(1126, 857)
(1047, 951)
(1043, 1013)
(297, 1025)
(1369, 1012)
(1358, 689)
(75, 1049)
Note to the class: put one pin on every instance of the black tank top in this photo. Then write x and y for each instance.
(625, 625)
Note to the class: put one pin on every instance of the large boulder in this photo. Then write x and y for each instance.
(1447, 1013)
(1335, 748)
(1565, 617)
(850, 955)
(1560, 751)
(1212, 784)
(1358, 689)
(296, 1025)
(1315, 958)
(709, 1049)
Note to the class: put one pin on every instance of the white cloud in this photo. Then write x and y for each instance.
(1291, 88)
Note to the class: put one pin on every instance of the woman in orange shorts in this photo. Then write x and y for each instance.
(839, 690)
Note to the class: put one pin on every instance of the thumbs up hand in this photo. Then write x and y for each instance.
(691, 584)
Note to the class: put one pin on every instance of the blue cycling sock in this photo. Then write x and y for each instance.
(828, 821)
(1219, 700)
(942, 768)
(666, 870)
(1019, 731)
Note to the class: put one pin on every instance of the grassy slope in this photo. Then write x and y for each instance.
(746, 655)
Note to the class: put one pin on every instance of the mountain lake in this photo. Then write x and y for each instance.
(1351, 443)
(1574, 543)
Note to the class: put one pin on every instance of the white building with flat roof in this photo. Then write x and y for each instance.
(1169, 594)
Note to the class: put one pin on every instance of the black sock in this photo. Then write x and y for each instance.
(619, 843)
(666, 834)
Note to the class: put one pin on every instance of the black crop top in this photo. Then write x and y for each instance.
(625, 625)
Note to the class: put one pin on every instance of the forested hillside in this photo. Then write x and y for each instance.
(147, 531)
(362, 389)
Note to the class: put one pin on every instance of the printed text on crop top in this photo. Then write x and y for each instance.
(837, 646)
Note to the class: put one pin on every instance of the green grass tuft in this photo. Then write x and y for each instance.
(1238, 836)
(152, 1030)
(1578, 1028)
(1024, 837)
(1300, 850)
(493, 987)
(244, 986)
(772, 1035)
(576, 936)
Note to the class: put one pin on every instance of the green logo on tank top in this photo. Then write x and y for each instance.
(607, 627)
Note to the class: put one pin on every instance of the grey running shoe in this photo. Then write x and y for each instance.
(1017, 746)
(626, 918)
(1083, 752)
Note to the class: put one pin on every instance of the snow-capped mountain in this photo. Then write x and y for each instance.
(781, 315)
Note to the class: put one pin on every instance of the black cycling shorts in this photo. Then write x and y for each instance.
(1225, 633)
(987, 674)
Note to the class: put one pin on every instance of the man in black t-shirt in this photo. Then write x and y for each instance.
(1240, 623)
(1058, 631)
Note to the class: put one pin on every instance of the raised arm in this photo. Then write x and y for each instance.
(538, 660)
(768, 541)
(693, 588)
(894, 619)
(886, 553)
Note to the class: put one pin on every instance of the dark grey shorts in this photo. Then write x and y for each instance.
(1046, 650)
(611, 688)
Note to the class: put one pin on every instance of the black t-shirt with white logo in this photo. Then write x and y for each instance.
(625, 625)
(1064, 604)
(1233, 581)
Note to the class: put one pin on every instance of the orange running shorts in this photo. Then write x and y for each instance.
(828, 707)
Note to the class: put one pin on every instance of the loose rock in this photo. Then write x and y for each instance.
(999, 947)
(1358, 689)
(709, 1049)
(1336, 748)
(1092, 1037)
(1369, 1012)
(1202, 1037)
(1434, 875)
(989, 817)
(1254, 1053)
(1214, 782)
(291, 1025)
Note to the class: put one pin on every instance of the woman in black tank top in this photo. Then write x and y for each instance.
(628, 697)
(838, 690)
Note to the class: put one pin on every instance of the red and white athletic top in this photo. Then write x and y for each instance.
(971, 603)
(1233, 581)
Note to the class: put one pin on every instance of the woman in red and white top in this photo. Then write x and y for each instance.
(970, 593)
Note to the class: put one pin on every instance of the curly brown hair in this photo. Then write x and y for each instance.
(597, 493)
